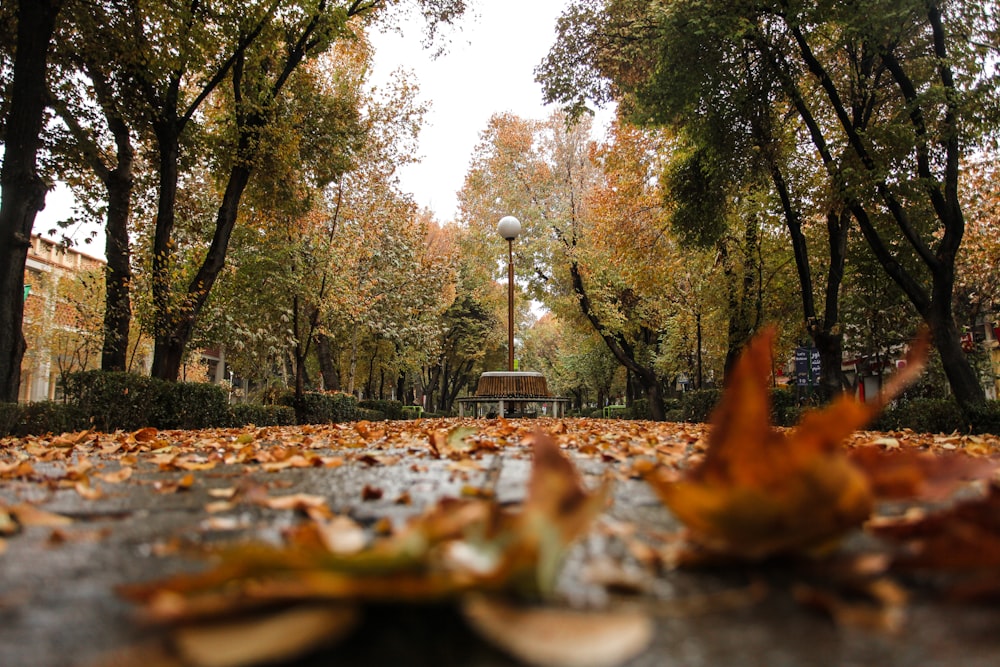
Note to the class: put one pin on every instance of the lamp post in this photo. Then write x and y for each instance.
(509, 227)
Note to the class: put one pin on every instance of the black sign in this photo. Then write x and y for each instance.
(806, 366)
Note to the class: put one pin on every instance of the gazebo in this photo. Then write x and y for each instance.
(510, 392)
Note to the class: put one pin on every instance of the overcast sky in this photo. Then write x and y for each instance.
(488, 68)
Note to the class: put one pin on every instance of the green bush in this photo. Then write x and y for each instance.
(21, 419)
(10, 416)
(639, 409)
(50, 417)
(367, 414)
(785, 410)
(113, 400)
(389, 409)
(244, 414)
(924, 415)
(985, 418)
(697, 405)
(188, 405)
(323, 407)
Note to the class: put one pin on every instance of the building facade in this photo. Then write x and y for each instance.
(63, 312)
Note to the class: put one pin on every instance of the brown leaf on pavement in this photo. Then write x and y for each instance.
(760, 491)
(963, 540)
(913, 474)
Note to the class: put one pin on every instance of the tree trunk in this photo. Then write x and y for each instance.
(22, 191)
(401, 387)
(327, 367)
(353, 367)
(622, 351)
(826, 333)
(117, 275)
(179, 323)
(962, 378)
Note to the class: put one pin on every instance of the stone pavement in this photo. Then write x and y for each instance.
(58, 605)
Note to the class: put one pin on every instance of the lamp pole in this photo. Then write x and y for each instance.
(509, 227)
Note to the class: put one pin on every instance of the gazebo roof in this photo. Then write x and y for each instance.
(512, 384)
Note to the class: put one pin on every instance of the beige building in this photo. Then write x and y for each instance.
(63, 311)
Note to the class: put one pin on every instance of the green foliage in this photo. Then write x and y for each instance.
(10, 415)
(697, 406)
(639, 409)
(699, 196)
(50, 417)
(389, 409)
(39, 418)
(188, 405)
(127, 401)
(985, 418)
(112, 401)
(367, 414)
(323, 407)
(785, 409)
(245, 414)
(939, 415)
(924, 415)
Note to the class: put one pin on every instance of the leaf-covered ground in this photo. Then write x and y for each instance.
(304, 536)
(349, 499)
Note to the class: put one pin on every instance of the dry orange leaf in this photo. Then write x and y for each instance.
(914, 474)
(760, 491)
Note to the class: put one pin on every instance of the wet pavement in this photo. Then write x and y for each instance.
(58, 605)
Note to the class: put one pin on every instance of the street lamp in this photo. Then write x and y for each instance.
(509, 227)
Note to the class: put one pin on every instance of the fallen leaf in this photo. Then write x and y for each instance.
(760, 491)
(550, 637)
(911, 474)
(29, 515)
(272, 638)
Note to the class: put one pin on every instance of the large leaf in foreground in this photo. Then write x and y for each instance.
(262, 603)
(760, 491)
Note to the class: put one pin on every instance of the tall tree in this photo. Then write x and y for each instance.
(22, 189)
(95, 141)
(888, 96)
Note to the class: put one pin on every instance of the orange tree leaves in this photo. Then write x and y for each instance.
(760, 491)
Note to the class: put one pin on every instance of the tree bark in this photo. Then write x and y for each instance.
(934, 306)
(22, 191)
(622, 351)
(327, 367)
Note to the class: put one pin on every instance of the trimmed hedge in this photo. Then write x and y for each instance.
(244, 414)
(189, 405)
(697, 405)
(21, 419)
(113, 400)
(389, 409)
(323, 407)
(128, 401)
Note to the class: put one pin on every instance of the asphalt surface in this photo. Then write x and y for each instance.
(58, 605)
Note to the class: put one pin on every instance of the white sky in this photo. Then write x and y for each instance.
(488, 68)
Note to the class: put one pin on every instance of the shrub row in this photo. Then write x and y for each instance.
(320, 407)
(125, 401)
(389, 409)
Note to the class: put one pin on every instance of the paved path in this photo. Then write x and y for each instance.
(57, 584)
